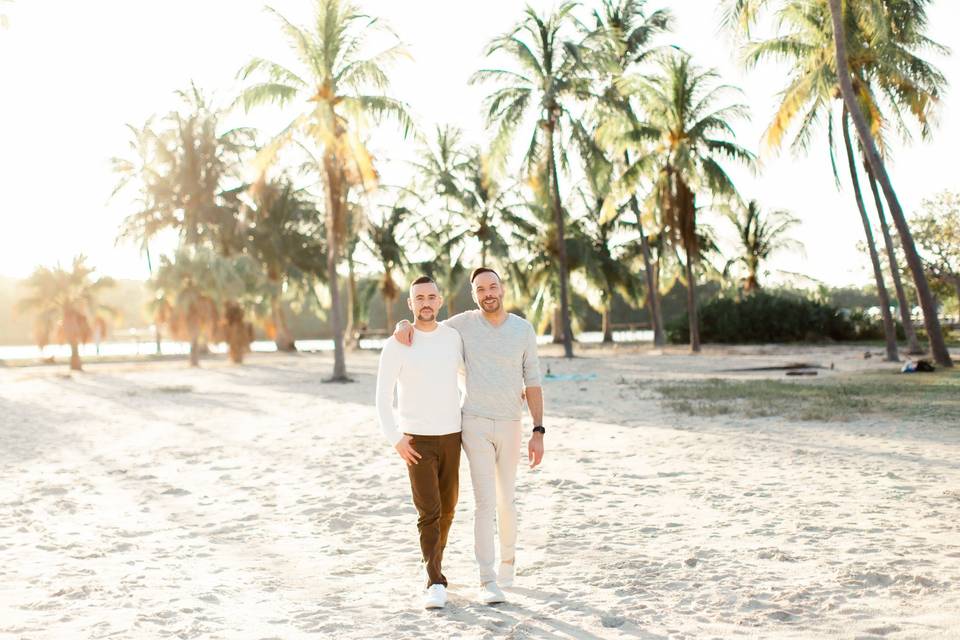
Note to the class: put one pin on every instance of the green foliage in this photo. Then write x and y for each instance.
(764, 317)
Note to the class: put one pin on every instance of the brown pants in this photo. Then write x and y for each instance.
(435, 482)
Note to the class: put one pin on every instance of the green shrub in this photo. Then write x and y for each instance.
(764, 317)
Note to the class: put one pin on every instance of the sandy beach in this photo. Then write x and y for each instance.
(154, 501)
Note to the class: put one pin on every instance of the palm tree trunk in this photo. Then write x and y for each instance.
(752, 283)
(334, 206)
(388, 308)
(913, 345)
(556, 327)
(607, 330)
(75, 357)
(930, 319)
(692, 313)
(685, 201)
(653, 293)
(283, 339)
(658, 313)
(194, 346)
(350, 331)
(156, 325)
(561, 242)
(889, 330)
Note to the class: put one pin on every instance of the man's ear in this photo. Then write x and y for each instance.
(410, 304)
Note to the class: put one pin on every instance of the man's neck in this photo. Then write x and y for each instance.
(425, 325)
(496, 318)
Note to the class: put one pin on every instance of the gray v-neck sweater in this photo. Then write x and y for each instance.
(499, 362)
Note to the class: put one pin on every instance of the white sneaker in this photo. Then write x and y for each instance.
(436, 597)
(505, 575)
(490, 593)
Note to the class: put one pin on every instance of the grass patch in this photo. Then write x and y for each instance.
(933, 396)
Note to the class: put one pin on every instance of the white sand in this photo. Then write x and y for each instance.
(152, 501)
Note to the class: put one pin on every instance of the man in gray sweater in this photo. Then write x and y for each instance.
(500, 358)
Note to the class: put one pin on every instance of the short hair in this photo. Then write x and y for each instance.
(480, 270)
(423, 280)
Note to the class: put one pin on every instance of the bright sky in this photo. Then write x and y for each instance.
(73, 73)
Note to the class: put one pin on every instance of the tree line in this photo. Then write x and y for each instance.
(607, 145)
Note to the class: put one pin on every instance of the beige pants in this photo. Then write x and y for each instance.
(493, 449)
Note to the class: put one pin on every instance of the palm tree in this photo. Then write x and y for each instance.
(603, 270)
(284, 236)
(680, 146)
(385, 240)
(913, 344)
(188, 171)
(879, 69)
(470, 187)
(65, 302)
(883, 36)
(889, 330)
(137, 172)
(624, 32)
(352, 229)
(446, 266)
(761, 235)
(547, 75)
(850, 100)
(338, 91)
(191, 289)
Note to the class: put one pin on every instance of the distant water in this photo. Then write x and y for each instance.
(171, 347)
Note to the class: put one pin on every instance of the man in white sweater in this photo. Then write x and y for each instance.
(427, 435)
(500, 358)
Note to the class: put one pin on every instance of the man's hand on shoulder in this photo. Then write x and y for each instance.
(404, 332)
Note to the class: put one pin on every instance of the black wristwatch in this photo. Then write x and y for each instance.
(539, 429)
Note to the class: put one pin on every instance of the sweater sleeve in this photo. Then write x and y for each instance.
(531, 361)
(387, 375)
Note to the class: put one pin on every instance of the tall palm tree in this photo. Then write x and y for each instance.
(906, 318)
(889, 330)
(471, 189)
(352, 229)
(190, 171)
(545, 77)
(446, 266)
(680, 146)
(886, 71)
(761, 234)
(623, 33)
(884, 37)
(284, 236)
(532, 273)
(338, 91)
(850, 100)
(137, 172)
(603, 270)
(66, 304)
(385, 240)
